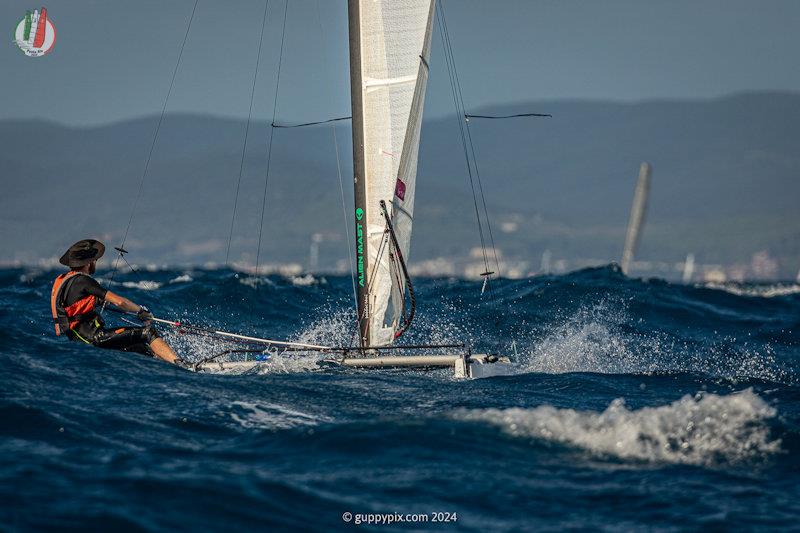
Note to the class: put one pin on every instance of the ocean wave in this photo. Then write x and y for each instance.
(255, 281)
(305, 281)
(705, 429)
(142, 285)
(760, 291)
(251, 415)
(183, 278)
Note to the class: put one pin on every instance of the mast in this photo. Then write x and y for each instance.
(389, 51)
(359, 177)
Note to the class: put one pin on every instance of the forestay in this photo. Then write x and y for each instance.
(389, 51)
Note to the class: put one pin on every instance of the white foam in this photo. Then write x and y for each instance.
(144, 285)
(762, 291)
(254, 281)
(194, 348)
(183, 278)
(702, 430)
(271, 416)
(305, 281)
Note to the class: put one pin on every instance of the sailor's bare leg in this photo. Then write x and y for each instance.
(162, 350)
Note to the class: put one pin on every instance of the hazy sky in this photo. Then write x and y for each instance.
(113, 59)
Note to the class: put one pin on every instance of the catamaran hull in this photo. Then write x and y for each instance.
(471, 367)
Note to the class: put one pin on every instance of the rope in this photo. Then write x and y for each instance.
(472, 149)
(271, 133)
(246, 131)
(466, 138)
(155, 136)
(468, 116)
(345, 217)
(462, 111)
(346, 221)
(399, 254)
(458, 104)
(303, 125)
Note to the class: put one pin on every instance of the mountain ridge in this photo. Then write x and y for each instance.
(724, 183)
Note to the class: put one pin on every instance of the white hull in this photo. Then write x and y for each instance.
(474, 366)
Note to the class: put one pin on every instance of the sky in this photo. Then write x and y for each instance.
(113, 60)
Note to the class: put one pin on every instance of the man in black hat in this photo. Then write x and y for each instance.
(73, 302)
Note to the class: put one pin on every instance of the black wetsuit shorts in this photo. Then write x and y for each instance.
(128, 339)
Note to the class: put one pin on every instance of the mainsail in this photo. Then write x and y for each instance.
(389, 51)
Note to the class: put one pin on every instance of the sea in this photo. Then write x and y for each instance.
(633, 405)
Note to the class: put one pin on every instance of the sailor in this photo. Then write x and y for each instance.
(74, 301)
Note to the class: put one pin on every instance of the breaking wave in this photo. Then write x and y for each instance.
(706, 429)
(759, 291)
(143, 285)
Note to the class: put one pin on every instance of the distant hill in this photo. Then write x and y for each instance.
(726, 184)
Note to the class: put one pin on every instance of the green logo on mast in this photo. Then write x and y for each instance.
(360, 246)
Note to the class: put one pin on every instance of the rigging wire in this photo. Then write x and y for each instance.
(458, 104)
(518, 115)
(271, 134)
(246, 131)
(466, 138)
(458, 98)
(446, 33)
(346, 221)
(155, 138)
(345, 218)
(274, 125)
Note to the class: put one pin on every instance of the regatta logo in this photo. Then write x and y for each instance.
(35, 34)
(360, 246)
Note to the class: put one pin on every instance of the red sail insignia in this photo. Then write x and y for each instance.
(400, 189)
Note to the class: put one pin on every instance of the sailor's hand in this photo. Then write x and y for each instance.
(182, 363)
(144, 314)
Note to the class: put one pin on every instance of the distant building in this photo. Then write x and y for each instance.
(714, 275)
(764, 266)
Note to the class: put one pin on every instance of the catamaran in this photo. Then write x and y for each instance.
(390, 44)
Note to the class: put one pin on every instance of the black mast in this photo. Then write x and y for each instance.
(359, 178)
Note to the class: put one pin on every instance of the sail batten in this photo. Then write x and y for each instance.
(389, 52)
(389, 81)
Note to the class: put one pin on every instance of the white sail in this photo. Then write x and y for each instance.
(393, 40)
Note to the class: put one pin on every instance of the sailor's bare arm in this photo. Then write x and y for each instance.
(122, 303)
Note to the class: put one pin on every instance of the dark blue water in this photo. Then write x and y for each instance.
(634, 405)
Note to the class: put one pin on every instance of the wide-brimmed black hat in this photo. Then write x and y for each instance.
(82, 253)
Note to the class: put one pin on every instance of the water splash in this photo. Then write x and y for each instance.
(334, 327)
(600, 339)
(706, 429)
